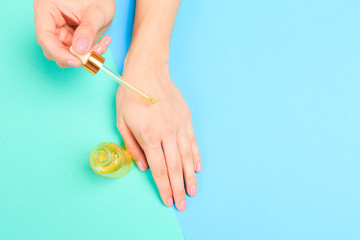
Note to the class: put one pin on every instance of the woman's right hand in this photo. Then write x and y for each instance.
(79, 23)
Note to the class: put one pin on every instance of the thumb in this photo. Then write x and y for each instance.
(86, 32)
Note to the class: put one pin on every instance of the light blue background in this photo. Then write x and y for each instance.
(274, 92)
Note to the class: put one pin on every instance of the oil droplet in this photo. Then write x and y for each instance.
(152, 100)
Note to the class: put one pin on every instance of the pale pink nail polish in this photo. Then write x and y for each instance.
(74, 63)
(198, 167)
(108, 40)
(170, 202)
(182, 205)
(193, 190)
(141, 166)
(99, 49)
(82, 44)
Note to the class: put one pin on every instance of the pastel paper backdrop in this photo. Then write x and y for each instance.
(274, 91)
(50, 119)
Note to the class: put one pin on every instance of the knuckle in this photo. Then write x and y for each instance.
(111, 5)
(103, 10)
(186, 157)
(197, 157)
(134, 153)
(166, 192)
(176, 167)
(192, 140)
(150, 137)
(87, 28)
(47, 55)
(36, 4)
(190, 179)
(40, 39)
(61, 65)
(179, 193)
(160, 172)
(169, 127)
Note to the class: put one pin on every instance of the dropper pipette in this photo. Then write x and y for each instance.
(119, 80)
(93, 62)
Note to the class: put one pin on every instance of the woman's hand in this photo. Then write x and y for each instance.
(161, 135)
(62, 23)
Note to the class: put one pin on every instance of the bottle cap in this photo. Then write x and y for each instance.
(91, 61)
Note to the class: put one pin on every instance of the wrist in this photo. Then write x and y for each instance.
(147, 55)
(144, 66)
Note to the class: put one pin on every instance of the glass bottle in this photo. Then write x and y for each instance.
(107, 159)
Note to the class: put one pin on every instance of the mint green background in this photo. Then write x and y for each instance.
(50, 119)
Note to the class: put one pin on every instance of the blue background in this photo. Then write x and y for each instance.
(274, 91)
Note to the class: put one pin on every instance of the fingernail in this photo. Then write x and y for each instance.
(99, 49)
(74, 63)
(198, 167)
(182, 205)
(141, 166)
(82, 44)
(193, 190)
(108, 40)
(170, 202)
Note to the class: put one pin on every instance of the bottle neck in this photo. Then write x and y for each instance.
(103, 157)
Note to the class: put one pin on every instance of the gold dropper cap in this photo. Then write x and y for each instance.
(92, 62)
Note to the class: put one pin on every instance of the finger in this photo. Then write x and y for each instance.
(194, 148)
(173, 162)
(61, 65)
(187, 162)
(156, 160)
(132, 146)
(59, 52)
(102, 46)
(65, 35)
(89, 29)
(50, 43)
(44, 22)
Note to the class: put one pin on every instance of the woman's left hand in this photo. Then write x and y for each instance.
(159, 135)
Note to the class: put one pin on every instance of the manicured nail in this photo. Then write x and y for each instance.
(82, 44)
(170, 202)
(182, 205)
(198, 167)
(99, 50)
(108, 40)
(193, 190)
(74, 63)
(141, 166)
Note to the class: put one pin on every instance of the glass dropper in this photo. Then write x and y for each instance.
(93, 62)
(119, 80)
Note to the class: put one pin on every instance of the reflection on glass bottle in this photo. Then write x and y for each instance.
(109, 160)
